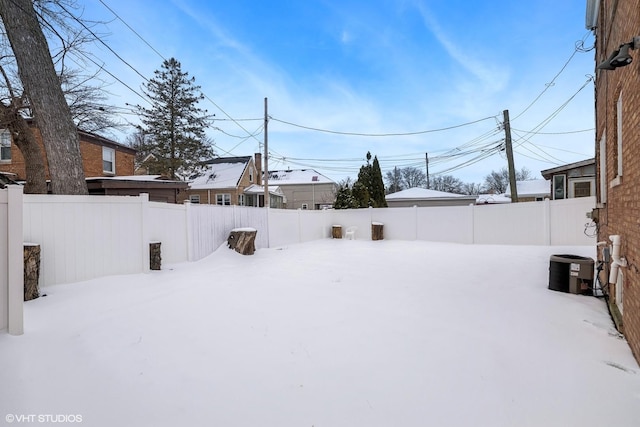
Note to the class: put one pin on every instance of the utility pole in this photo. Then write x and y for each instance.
(426, 155)
(512, 169)
(266, 156)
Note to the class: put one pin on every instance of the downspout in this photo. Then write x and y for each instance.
(617, 261)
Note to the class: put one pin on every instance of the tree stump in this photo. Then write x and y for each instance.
(243, 240)
(336, 231)
(31, 271)
(155, 256)
(377, 231)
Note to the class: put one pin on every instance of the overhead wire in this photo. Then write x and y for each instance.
(471, 147)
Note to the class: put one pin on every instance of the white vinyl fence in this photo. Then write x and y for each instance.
(83, 237)
(556, 223)
(11, 260)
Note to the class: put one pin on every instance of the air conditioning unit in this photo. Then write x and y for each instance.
(572, 274)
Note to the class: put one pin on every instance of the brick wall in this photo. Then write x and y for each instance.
(620, 214)
(91, 151)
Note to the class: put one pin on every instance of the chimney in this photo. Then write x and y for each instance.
(258, 162)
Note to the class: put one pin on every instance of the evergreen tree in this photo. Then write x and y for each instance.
(368, 190)
(344, 198)
(377, 185)
(175, 126)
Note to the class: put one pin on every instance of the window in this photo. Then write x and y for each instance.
(251, 175)
(240, 199)
(305, 206)
(223, 199)
(108, 160)
(619, 145)
(5, 146)
(582, 189)
(559, 190)
(603, 167)
(194, 198)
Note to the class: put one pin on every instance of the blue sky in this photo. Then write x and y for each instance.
(338, 74)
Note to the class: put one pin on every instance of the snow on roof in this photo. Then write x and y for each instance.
(532, 187)
(259, 189)
(298, 176)
(420, 193)
(221, 173)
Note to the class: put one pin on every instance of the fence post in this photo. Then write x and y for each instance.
(189, 229)
(144, 228)
(472, 208)
(15, 273)
(415, 221)
(547, 222)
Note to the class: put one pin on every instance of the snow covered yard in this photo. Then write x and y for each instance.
(327, 333)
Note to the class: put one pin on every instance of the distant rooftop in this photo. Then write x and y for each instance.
(297, 176)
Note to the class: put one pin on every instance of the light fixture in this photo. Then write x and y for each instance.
(620, 57)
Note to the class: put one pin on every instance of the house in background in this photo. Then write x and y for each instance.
(100, 156)
(423, 197)
(572, 180)
(233, 181)
(617, 155)
(304, 188)
(531, 190)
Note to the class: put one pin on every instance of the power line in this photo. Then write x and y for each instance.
(379, 134)
(579, 47)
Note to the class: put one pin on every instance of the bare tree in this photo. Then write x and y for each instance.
(447, 183)
(472, 188)
(42, 86)
(413, 177)
(394, 180)
(497, 182)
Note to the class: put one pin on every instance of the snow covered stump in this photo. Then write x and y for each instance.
(243, 240)
(377, 231)
(155, 256)
(31, 271)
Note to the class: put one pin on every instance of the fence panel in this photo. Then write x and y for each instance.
(569, 224)
(284, 227)
(452, 224)
(4, 260)
(511, 224)
(168, 225)
(82, 237)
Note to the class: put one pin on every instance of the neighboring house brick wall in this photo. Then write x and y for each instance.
(619, 208)
(90, 150)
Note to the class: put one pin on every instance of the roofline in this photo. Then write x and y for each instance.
(568, 166)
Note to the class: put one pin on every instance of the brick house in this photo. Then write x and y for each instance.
(617, 148)
(233, 181)
(100, 156)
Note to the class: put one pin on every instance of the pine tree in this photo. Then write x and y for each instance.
(377, 185)
(369, 188)
(175, 125)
